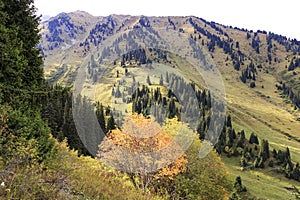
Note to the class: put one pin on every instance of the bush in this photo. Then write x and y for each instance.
(29, 125)
(24, 143)
(205, 178)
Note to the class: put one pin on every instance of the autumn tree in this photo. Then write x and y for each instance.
(130, 149)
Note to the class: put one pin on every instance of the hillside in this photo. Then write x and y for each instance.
(260, 70)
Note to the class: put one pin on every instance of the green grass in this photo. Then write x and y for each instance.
(261, 183)
(270, 118)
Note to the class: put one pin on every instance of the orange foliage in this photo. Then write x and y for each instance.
(179, 166)
(142, 135)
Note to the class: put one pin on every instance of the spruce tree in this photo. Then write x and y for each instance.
(253, 139)
(228, 121)
(21, 75)
(21, 63)
(111, 125)
(265, 149)
(148, 80)
(167, 77)
(161, 81)
(100, 116)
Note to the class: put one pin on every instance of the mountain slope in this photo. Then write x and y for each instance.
(260, 70)
(228, 46)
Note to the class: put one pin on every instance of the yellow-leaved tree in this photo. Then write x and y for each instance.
(144, 150)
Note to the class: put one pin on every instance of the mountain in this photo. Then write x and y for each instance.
(45, 17)
(260, 71)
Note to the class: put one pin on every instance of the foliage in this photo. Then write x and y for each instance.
(205, 178)
(88, 178)
(20, 66)
(140, 135)
(21, 130)
(238, 186)
(254, 156)
(25, 144)
(58, 113)
(65, 176)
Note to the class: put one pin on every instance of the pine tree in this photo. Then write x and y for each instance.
(238, 185)
(21, 63)
(100, 116)
(161, 81)
(274, 153)
(264, 150)
(21, 70)
(242, 138)
(167, 77)
(287, 154)
(228, 121)
(253, 139)
(118, 92)
(148, 80)
(111, 125)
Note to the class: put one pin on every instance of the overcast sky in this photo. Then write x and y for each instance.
(281, 17)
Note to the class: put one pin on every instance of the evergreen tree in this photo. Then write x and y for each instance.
(111, 125)
(274, 153)
(253, 139)
(167, 77)
(100, 116)
(296, 172)
(118, 92)
(238, 185)
(228, 121)
(287, 154)
(21, 63)
(265, 149)
(148, 80)
(280, 157)
(296, 193)
(252, 84)
(21, 76)
(172, 109)
(161, 81)
(242, 137)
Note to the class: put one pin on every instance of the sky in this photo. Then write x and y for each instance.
(281, 17)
